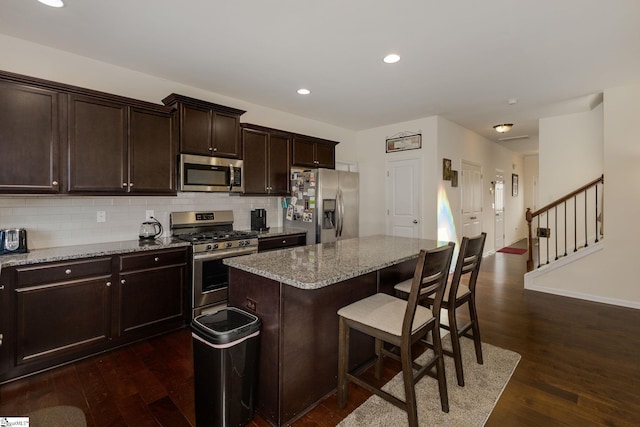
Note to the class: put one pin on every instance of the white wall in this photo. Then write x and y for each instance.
(440, 138)
(530, 172)
(571, 152)
(61, 220)
(460, 144)
(372, 163)
(608, 275)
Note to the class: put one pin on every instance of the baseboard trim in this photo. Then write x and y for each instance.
(584, 296)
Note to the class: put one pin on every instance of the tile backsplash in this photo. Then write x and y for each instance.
(53, 221)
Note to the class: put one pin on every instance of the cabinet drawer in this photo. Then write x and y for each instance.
(280, 242)
(63, 271)
(145, 260)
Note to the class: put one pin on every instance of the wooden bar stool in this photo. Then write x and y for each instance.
(401, 323)
(456, 295)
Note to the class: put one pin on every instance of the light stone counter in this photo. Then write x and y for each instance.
(87, 251)
(316, 266)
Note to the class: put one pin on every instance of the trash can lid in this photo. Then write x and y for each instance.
(225, 326)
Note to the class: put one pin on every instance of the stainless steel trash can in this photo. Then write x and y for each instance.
(225, 353)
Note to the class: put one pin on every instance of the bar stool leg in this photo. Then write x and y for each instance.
(343, 362)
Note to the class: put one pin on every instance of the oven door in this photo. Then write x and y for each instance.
(211, 277)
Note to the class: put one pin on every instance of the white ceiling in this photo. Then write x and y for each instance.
(461, 59)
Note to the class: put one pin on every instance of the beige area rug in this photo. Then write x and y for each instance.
(470, 405)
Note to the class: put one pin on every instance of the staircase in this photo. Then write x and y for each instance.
(567, 226)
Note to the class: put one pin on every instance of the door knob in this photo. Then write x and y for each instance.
(415, 221)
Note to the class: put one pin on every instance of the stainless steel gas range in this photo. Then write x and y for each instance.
(212, 239)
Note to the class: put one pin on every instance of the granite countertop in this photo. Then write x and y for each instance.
(86, 251)
(316, 266)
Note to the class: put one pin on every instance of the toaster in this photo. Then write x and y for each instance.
(13, 241)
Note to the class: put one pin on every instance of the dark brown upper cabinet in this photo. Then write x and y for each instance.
(97, 145)
(58, 138)
(205, 128)
(313, 152)
(266, 160)
(29, 139)
(117, 147)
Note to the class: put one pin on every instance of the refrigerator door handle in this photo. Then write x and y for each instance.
(341, 208)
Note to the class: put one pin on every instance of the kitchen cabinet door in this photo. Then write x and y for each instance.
(206, 128)
(255, 161)
(279, 161)
(226, 135)
(195, 130)
(152, 292)
(313, 152)
(325, 155)
(62, 311)
(29, 136)
(152, 152)
(97, 145)
(266, 161)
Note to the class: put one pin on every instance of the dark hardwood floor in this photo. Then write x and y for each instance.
(580, 367)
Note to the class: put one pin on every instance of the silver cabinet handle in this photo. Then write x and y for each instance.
(67, 271)
(284, 241)
(156, 259)
(131, 184)
(210, 149)
(108, 284)
(54, 183)
(123, 281)
(415, 221)
(1, 287)
(124, 184)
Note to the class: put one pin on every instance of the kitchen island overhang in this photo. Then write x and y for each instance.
(296, 293)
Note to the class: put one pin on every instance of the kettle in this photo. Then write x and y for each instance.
(150, 229)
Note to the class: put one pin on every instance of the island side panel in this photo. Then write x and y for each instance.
(245, 289)
(309, 352)
(390, 276)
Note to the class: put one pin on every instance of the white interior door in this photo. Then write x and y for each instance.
(471, 199)
(404, 195)
(498, 208)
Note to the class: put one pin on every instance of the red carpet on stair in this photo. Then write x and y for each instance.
(510, 250)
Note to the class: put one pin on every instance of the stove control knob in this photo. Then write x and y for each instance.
(215, 246)
(229, 244)
(242, 243)
(209, 247)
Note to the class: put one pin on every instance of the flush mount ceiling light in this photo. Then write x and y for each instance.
(505, 127)
(52, 3)
(391, 58)
(304, 91)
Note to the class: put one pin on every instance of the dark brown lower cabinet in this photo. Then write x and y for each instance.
(281, 242)
(54, 313)
(152, 291)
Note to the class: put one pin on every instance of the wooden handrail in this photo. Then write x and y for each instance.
(564, 198)
(530, 215)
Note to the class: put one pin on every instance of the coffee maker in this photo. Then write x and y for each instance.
(259, 220)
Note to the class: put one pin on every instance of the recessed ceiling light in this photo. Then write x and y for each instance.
(304, 91)
(391, 58)
(52, 3)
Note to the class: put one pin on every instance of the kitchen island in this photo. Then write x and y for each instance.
(296, 293)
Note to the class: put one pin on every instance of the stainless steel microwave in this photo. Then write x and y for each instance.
(212, 174)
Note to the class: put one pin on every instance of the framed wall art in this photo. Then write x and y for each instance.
(454, 178)
(514, 185)
(446, 170)
(404, 142)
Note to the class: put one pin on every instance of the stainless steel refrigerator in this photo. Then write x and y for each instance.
(324, 202)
